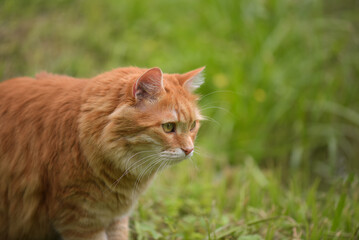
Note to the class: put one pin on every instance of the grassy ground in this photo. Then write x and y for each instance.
(279, 159)
(245, 202)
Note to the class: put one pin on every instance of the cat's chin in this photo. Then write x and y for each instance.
(175, 161)
(179, 159)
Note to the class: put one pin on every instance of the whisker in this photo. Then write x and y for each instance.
(128, 159)
(143, 173)
(194, 164)
(165, 165)
(152, 155)
(203, 154)
(140, 176)
(197, 153)
(158, 169)
(147, 169)
(133, 166)
(216, 92)
(216, 107)
(212, 120)
(198, 148)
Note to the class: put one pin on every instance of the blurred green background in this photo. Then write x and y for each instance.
(281, 95)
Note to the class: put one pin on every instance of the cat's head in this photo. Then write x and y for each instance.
(157, 121)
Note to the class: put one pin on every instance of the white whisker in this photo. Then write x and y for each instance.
(194, 164)
(158, 169)
(216, 92)
(215, 107)
(133, 166)
(128, 159)
(212, 120)
(143, 173)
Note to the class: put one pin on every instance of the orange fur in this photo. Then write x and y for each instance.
(76, 153)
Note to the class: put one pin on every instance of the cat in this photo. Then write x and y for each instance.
(75, 154)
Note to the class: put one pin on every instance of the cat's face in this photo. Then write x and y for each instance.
(160, 121)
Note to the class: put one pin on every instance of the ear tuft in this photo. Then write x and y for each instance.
(193, 79)
(149, 85)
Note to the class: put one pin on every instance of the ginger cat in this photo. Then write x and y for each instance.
(75, 154)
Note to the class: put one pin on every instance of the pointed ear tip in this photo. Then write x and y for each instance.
(157, 69)
(201, 68)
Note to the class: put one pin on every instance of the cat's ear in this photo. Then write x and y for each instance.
(193, 79)
(149, 86)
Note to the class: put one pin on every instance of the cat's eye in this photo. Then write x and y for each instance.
(193, 125)
(168, 127)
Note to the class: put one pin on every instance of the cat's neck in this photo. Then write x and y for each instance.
(118, 178)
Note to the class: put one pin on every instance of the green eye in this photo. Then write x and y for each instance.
(168, 127)
(193, 125)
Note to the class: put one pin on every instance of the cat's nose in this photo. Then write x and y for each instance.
(187, 150)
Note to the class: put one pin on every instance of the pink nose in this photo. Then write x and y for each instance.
(187, 150)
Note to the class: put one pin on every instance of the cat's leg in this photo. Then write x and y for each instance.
(80, 230)
(118, 230)
(77, 236)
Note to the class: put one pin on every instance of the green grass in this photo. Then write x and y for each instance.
(245, 203)
(279, 159)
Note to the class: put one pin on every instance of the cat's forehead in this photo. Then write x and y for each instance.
(174, 88)
(179, 108)
(170, 81)
(180, 115)
(181, 104)
(176, 104)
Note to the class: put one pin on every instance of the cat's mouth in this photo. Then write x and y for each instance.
(175, 160)
(175, 156)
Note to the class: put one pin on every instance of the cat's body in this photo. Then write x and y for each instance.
(76, 153)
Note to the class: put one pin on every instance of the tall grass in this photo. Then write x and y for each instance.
(281, 92)
(245, 203)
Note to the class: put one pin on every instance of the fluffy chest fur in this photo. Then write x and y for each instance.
(75, 154)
